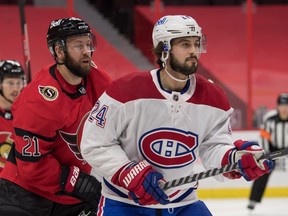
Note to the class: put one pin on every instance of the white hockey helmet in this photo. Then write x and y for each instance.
(176, 26)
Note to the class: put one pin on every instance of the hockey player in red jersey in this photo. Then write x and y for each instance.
(151, 127)
(12, 81)
(45, 173)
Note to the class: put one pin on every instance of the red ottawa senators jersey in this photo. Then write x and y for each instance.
(47, 115)
(6, 135)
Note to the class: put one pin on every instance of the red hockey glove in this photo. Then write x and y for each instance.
(81, 185)
(141, 180)
(247, 155)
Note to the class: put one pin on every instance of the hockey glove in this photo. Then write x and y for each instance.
(141, 180)
(81, 185)
(247, 155)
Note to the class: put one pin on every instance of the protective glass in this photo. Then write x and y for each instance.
(82, 43)
(203, 44)
(13, 83)
(199, 45)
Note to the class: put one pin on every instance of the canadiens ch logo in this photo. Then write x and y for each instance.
(168, 147)
(49, 93)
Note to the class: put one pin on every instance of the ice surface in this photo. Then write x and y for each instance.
(238, 207)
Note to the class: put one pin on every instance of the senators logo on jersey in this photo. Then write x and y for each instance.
(49, 93)
(5, 146)
(168, 147)
(73, 139)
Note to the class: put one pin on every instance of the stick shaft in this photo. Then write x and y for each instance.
(25, 41)
(217, 171)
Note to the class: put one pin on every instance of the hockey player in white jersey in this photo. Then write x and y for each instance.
(152, 126)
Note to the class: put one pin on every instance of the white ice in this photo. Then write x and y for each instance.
(238, 207)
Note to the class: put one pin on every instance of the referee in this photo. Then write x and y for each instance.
(274, 136)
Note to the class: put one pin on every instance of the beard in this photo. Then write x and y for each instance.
(183, 68)
(76, 67)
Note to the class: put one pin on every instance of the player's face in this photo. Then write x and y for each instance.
(79, 50)
(184, 55)
(11, 88)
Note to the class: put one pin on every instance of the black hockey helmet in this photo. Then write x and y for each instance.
(60, 29)
(10, 68)
(282, 98)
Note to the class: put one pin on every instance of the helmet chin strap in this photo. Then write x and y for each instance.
(164, 65)
(1, 93)
(176, 79)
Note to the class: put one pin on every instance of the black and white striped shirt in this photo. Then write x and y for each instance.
(274, 132)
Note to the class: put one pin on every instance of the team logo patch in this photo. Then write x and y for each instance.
(5, 146)
(73, 140)
(49, 93)
(168, 147)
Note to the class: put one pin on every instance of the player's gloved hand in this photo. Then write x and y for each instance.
(141, 180)
(247, 155)
(81, 185)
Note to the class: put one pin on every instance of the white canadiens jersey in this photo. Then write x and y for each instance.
(136, 119)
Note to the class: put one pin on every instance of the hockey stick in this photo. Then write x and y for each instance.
(21, 5)
(216, 171)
